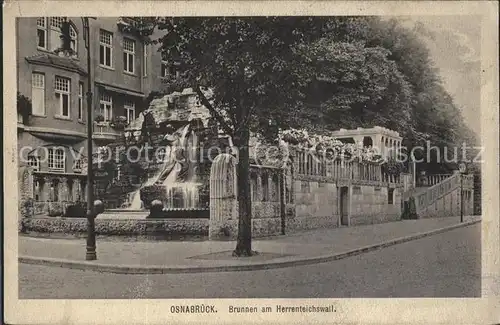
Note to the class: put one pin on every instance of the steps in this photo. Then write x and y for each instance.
(443, 198)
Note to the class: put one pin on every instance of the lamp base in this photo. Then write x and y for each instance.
(91, 254)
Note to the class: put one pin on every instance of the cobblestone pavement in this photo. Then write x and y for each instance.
(175, 253)
(444, 265)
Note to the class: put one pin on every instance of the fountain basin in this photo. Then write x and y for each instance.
(123, 214)
(171, 213)
(117, 229)
(180, 213)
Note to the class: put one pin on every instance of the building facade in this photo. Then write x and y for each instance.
(124, 71)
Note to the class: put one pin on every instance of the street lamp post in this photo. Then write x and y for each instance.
(91, 244)
(462, 167)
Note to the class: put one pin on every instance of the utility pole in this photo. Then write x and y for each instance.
(462, 167)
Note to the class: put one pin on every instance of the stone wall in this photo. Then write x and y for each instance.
(224, 210)
(371, 205)
(116, 227)
(315, 205)
(449, 205)
(443, 199)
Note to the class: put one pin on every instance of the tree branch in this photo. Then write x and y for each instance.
(212, 110)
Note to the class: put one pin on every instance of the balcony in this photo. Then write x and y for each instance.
(104, 132)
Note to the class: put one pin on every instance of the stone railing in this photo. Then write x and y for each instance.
(338, 170)
(430, 180)
(435, 192)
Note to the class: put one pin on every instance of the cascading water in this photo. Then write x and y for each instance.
(182, 194)
(187, 190)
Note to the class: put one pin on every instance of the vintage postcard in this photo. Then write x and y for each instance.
(251, 162)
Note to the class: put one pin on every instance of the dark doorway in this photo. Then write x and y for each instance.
(344, 206)
(367, 142)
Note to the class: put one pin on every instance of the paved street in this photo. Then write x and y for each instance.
(318, 242)
(443, 265)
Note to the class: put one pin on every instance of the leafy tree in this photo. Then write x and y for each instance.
(262, 74)
(24, 107)
(246, 72)
(357, 86)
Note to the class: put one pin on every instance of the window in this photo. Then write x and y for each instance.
(129, 111)
(49, 33)
(390, 196)
(62, 88)
(128, 55)
(77, 164)
(41, 33)
(55, 32)
(145, 63)
(34, 162)
(38, 93)
(106, 106)
(57, 159)
(80, 101)
(105, 48)
(74, 39)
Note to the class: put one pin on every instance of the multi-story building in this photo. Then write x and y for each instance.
(124, 70)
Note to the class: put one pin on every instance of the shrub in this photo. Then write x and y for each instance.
(119, 122)
(76, 210)
(392, 167)
(27, 208)
(55, 209)
(24, 107)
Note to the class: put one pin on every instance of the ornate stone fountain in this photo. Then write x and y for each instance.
(171, 134)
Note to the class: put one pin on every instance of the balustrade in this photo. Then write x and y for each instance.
(446, 184)
(56, 187)
(431, 180)
(312, 165)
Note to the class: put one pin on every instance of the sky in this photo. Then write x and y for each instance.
(454, 43)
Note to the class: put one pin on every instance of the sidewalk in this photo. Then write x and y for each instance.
(204, 256)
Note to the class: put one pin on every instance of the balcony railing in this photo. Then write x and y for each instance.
(104, 131)
(431, 180)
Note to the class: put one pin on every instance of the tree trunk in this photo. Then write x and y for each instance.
(244, 241)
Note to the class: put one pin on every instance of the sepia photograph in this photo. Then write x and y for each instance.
(251, 158)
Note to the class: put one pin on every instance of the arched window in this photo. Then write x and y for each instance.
(34, 161)
(367, 142)
(49, 33)
(37, 189)
(74, 38)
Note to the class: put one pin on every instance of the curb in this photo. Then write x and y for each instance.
(159, 269)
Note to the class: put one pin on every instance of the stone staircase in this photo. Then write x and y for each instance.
(439, 196)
